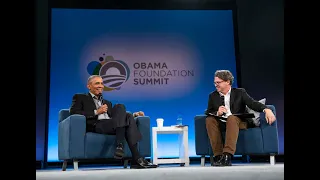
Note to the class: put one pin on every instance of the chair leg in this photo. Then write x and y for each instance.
(211, 159)
(272, 159)
(75, 165)
(125, 164)
(203, 159)
(64, 165)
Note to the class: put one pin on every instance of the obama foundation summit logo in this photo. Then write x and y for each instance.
(113, 72)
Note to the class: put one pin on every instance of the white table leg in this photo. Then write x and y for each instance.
(154, 147)
(180, 142)
(186, 147)
(181, 148)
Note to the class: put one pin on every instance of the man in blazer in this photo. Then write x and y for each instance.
(224, 102)
(102, 117)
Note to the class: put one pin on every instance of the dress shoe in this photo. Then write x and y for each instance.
(216, 159)
(141, 163)
(225, 160)
(119, 153)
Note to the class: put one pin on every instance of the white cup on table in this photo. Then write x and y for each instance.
(160, 122)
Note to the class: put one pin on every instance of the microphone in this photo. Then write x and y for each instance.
(222, 104)
(100, 98)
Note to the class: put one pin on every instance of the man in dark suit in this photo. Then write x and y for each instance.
(102, 117)
(224, 102)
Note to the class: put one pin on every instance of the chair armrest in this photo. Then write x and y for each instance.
(263, 122)
(71, 135)
(201, 136)
(269, 133)
(143, 123)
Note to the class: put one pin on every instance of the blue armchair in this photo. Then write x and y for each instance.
(262, 140)
(75, 144)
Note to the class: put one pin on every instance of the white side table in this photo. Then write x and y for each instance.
(183, 141)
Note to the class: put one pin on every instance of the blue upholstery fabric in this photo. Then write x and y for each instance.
(258, 140)
(143, 123)
(201, 137)
(75, 143)
(71, 135)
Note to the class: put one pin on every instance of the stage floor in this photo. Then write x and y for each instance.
(240, 171)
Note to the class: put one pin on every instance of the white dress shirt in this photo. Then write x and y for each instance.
(98, 103)
(227, 103)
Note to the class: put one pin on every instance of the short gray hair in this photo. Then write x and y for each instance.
(224, 75)
(91, 77)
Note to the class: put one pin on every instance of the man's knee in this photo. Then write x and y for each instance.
(233, 120)
(129, 115)
(120, 106)
(130, 118)
(211, 120)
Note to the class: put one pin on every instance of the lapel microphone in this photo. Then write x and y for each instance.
(222, 104)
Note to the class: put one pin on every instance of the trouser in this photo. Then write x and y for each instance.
(232, 127)
(123, 125)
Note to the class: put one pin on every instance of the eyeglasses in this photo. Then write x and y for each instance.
(218, 82)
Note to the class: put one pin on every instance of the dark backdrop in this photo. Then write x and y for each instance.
(42, 80)
(260, 40)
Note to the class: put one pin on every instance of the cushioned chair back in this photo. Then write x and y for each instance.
(63, 114)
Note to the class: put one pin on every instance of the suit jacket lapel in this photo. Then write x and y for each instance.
(92, 101)
(232, 96)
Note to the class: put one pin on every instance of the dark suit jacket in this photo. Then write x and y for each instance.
(238, 101)
(84, 104)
